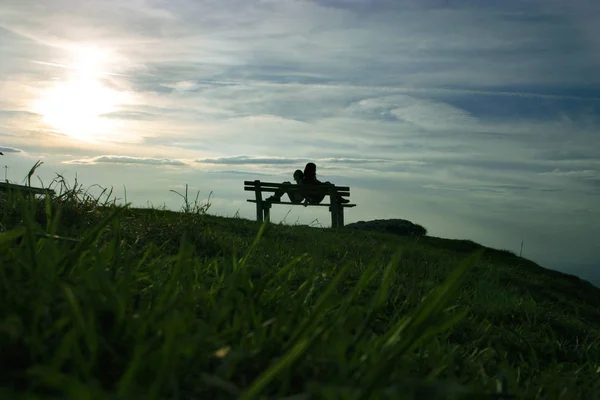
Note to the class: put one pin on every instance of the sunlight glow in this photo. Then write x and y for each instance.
(75, 106)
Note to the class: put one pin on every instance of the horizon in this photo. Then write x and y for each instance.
(478, 122)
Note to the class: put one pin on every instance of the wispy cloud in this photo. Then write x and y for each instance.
(244, 160)
(588, 173)
(126, 160)
(9, 150)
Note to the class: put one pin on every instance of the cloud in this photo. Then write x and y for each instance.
(243, 160)
(588, 173)
(236, 172)
(570, 155)
(109, 159)
(270, 41)
(422, 113)
(131, 115)
(498, 188)
(352, 161)
(10, 150)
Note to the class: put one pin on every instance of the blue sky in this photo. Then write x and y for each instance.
(476, 119)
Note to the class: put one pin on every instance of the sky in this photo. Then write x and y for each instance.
(479, 120)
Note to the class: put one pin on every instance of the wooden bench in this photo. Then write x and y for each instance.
(263, 207)
(5, 186)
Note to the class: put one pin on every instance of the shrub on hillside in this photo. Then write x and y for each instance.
(399, 227)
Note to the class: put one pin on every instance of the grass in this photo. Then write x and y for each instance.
(99, 301)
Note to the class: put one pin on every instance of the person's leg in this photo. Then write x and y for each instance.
(321, 197)
(277, 196)
(315, 198)
(339, 199)
(342, 200)
(295, 197)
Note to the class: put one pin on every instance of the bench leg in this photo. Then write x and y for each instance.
(259, 201)
(341, 218)
(259, 212)
(267, 212)
(334, 217)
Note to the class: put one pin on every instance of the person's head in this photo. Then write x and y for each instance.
(298, 175)
(310, 171)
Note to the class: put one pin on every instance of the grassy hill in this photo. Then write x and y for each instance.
(104, 302)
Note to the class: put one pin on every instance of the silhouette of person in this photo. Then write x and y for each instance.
(295, 196)
(310, 178)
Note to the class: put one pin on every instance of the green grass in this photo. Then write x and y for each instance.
(105, 302)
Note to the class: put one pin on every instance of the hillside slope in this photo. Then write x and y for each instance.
(136, 310)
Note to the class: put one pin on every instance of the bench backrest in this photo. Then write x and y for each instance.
(310, 189)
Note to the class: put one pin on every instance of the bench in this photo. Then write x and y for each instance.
(263, 207)
(5, 186)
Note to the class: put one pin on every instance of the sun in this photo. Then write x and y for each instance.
(75, 106)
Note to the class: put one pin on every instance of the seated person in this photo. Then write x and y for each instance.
(295, 196)
(310, 178)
